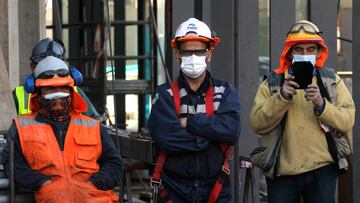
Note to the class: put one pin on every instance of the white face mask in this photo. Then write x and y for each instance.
(56, 95)
(193, 66)
(304, 58)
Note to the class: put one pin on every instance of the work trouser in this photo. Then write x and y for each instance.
(175, 197)
(314, 186)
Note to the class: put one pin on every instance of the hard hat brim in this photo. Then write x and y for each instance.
(55, 82)
(212, 41)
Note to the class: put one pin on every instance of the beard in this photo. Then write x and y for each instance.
(56, 109)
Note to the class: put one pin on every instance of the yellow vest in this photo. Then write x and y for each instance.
(23, 99)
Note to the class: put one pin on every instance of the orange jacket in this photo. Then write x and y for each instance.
(69, 170)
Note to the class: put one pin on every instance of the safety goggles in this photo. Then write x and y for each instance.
(51, 73)
(306, 27)
(198, 52)
(54, 48)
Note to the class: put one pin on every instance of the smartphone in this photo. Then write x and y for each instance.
(303, 72)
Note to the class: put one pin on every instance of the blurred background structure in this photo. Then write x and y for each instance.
(122, 67)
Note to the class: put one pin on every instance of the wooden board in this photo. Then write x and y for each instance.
(7, 106)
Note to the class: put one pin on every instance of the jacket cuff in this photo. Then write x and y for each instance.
(96, 181)
(283, 98)
(41, 182)
(318, 110)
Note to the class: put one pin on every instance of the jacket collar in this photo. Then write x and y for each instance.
(203, 87)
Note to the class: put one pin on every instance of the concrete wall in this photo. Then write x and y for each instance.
(9, 38)
(31, 30)
(22, 24)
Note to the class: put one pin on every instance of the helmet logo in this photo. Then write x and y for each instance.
(192, 26)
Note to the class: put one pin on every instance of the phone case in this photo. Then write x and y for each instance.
(303, 72)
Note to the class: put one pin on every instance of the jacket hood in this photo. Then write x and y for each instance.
(78, 104)
(293, 39)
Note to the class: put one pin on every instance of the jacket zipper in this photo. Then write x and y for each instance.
(68, 183)
(197, 157)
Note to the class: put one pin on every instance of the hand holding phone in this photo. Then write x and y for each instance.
(303, 73)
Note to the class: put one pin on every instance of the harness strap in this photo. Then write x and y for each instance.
(226, 149)
(156, 177)
(176, 96)
(164, 195)
(225, 172)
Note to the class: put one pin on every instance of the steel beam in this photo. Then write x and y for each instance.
(129, 86)
(324, 15)
(222, 22)
(356, 96)
(280, 22)
(120, 46)
(246, 70)
(181, 11)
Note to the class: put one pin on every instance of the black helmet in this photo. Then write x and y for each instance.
(47, 47)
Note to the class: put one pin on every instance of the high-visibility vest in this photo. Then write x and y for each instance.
(23, 99)
(69, 170)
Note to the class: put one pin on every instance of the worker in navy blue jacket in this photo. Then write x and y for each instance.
(185, 130)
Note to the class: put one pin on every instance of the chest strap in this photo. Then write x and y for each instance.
(156, 182)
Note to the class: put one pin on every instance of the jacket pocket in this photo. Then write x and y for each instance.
(86, 152)
(38, 155)
(86, 159)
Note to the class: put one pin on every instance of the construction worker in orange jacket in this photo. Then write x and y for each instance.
(43, 48)
(62, 155)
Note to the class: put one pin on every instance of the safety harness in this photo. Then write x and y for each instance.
(156, 182)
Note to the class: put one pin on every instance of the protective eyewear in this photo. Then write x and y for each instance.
(51, 73)
(307, 28)
(54, 48)
(198, 52)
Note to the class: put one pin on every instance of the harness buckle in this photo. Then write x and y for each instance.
(225, 169)
(230, 154)
(155, 184)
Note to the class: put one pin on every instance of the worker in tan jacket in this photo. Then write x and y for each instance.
(306, 166)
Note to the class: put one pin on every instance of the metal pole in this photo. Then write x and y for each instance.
(12, 179)
(57, 21)
(158, 42)
(236, 175)
(112, 70)
(356, 96)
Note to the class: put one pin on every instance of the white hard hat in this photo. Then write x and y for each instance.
(199, 32)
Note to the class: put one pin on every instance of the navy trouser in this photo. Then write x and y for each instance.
(177, 198)
(316, 186)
